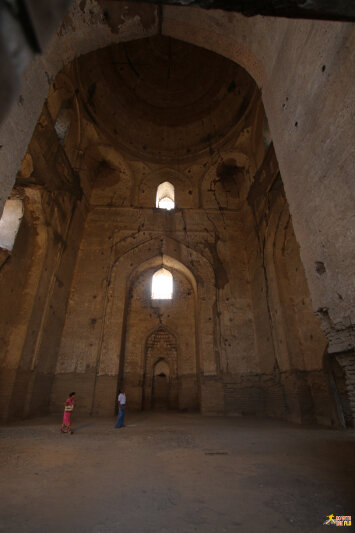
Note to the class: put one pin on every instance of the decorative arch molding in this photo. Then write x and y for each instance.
(124, 271)
(204, 30)
(153, 358)
(165, 261)
(161, 366)
(153, 332)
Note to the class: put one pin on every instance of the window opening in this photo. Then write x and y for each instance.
(162, 285)
(10, 222)
(62, 124)
(165, 196)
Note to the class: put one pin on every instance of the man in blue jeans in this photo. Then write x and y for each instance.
(121, 409)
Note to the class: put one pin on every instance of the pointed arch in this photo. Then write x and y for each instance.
(125, 269)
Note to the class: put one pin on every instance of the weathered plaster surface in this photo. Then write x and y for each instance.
(302, 68)
(263, 251)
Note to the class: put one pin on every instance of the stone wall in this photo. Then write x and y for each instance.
(265, 343)
(308, 116)
(91, 235)
(291, 344)
(35, 279)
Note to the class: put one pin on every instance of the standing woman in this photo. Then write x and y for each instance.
(68, 408)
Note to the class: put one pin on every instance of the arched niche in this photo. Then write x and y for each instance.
(161, 368)
(169, 262)
(227, 180)
(161, 391)
(124, 270)
(108, 175)
(161, 357)
(153, 330)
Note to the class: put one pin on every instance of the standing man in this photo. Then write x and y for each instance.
(121, 409)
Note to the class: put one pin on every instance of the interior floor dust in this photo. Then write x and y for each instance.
(172, 472)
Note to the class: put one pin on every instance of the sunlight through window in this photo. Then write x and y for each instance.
(165, 196)
(10, 222)
(166, 203)
(162, 285)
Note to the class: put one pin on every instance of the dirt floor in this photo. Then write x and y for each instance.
(169, 472)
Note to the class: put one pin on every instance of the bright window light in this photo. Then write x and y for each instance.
(166, 203)
(10, 222)
(62, 124)
(165, 196)
(162, 285)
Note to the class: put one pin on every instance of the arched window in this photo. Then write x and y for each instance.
(165, 196)
(62, 124)
(162, 285)
(10, 222)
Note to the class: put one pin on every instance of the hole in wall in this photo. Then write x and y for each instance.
(320, 268)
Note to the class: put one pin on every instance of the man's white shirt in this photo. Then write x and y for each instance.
(122, 398)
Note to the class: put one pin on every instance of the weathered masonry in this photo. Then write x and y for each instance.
(178, 211)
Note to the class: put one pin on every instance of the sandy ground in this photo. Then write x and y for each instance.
(172, 472)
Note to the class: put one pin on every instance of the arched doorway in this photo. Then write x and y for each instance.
(161, 380)
(161, 385)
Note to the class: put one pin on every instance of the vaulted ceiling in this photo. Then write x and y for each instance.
(161, 99)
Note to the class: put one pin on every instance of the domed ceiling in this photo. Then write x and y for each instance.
(163, 99)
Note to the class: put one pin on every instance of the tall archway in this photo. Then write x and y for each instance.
(173, 322)
(123, 271)
(160, 378)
